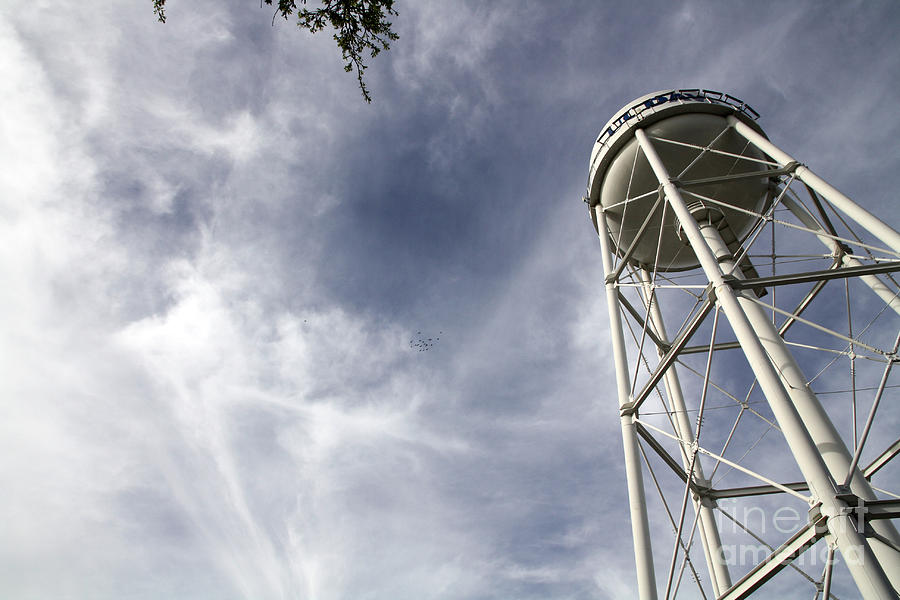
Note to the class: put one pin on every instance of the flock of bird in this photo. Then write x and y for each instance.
(423, 344)
(420, 343)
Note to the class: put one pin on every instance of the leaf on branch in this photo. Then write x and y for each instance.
(159, 9)
(360, 26)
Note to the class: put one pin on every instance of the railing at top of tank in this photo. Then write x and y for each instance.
(691, 95)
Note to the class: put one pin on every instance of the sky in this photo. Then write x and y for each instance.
(221, 267)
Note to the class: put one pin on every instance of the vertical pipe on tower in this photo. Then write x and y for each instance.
(831, 446)
(709, 531)
(891, 298)
(872, 223)
(864, 566)
(640, 526)
(815, 419)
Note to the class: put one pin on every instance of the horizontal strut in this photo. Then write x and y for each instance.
(813, 276)
(737, 176)
(882, 509)
(755, 490)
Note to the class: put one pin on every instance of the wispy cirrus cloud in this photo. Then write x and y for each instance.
(215, 256)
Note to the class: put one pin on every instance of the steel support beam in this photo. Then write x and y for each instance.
(884, 292)
(810, 296)
(751, 327)
(876, 226)
(882, 509)
(883, 459)
(737, 177)
(755, 490)
(614, 276)
(828, 442)
(665, 456)
(640, 525)
(776, 561)
(716, 348)
(640, 321)
(669, 358)
(815, 276)
(709, 532)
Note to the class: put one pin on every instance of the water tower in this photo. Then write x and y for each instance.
(763, 320)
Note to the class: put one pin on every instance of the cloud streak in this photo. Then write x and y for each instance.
(215, 256)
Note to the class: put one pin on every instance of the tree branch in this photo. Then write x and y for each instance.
(360, 26)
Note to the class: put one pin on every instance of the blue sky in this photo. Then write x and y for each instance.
(216, 256)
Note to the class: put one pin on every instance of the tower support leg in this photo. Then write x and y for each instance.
(821, 429)
(864, 566)
(891, 298)
(709, 531)
(876, 226)
(640, 526)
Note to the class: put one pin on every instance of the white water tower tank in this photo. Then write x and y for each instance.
(685, 122)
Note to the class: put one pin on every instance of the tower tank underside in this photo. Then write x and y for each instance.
(695, 142)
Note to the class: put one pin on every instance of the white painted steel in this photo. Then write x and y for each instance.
(815, 419)
(709, 531)
(640, 526)
(778, 559)
(891, 298)
(751, 332)
(628, 174)
(734, 465)
(876, 226)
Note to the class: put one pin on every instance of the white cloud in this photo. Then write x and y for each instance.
(188, 410)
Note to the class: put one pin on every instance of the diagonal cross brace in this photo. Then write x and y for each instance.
(776, 561)
(668, 359)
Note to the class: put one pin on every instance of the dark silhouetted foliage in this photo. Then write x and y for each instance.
(360, 27)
